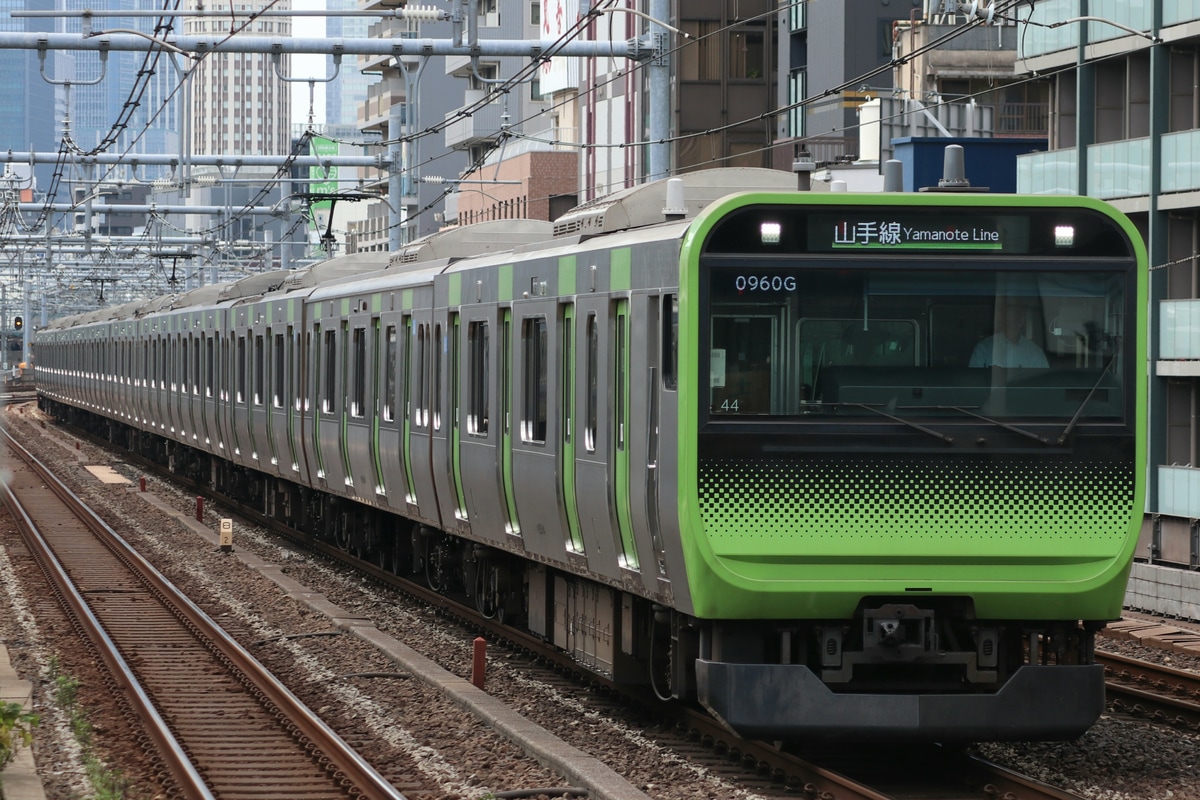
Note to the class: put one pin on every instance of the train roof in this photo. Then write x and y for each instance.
(649, 204)
(472, 240)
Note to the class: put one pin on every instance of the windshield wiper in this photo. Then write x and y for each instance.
(1062, 437)
(902, 420)
(1005, 425)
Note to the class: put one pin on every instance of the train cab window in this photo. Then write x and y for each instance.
(389, 373)
(478, 411)
(535, 343)
(958, 344)
(358, 383)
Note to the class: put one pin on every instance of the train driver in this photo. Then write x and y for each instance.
(1009, 347)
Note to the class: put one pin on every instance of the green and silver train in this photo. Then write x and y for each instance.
(828, 464)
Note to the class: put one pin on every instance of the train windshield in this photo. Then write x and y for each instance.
(951, 343)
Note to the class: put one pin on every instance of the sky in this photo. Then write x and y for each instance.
(308, 66)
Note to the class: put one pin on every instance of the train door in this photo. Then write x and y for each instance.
(179, 385)
(642, 427)
(593, 425)
(567, 439)
(218, 356)
(279, 413)
(256, 402)
(534, 448)
(241, 398)
(512, 523)
(212, 412)
(358, 441)
(421, 417)
(200, 399)
(627, 555)
(293, 396)
(479, 459)
(440, 429)
(331, 406)
(454, 401)
(393, 480)
(318, 352)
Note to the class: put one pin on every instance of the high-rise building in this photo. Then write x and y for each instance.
(32, 118)
(345, 95)
(239, 102)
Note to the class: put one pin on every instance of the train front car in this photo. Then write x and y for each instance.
(893, 523)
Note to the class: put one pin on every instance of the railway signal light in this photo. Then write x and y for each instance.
(18, 323)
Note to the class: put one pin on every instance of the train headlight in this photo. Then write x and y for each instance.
(1064, 235)
(770, 232)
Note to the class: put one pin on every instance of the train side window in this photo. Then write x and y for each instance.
(358, 388)
(593, 382)
(670, 340)
(478, 412)
(534, 342)
(389, 373)
(240, 374)
(330, 373)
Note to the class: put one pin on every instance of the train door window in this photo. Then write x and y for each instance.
(329, 376)
(196, 366)
(240, 371)
(184, 374)
(437, 377)
(358, 383)
(164, 366)
(389, 373)
(592, 410)
(670, 340)
(154, 364)
(210, 355)
(534, 343)
(307, 385)
(506, 378)
(259, 369)
(279, 373)
(478, 413)
(619, 376)
(422, 376)
(455, 330)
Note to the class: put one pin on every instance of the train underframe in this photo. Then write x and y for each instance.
(897, 668)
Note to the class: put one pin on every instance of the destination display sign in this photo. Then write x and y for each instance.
(884, 231)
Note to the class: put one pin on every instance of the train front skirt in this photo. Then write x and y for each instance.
(788, 701)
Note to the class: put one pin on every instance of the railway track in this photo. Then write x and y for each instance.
(217, 723)
(1152, 691)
